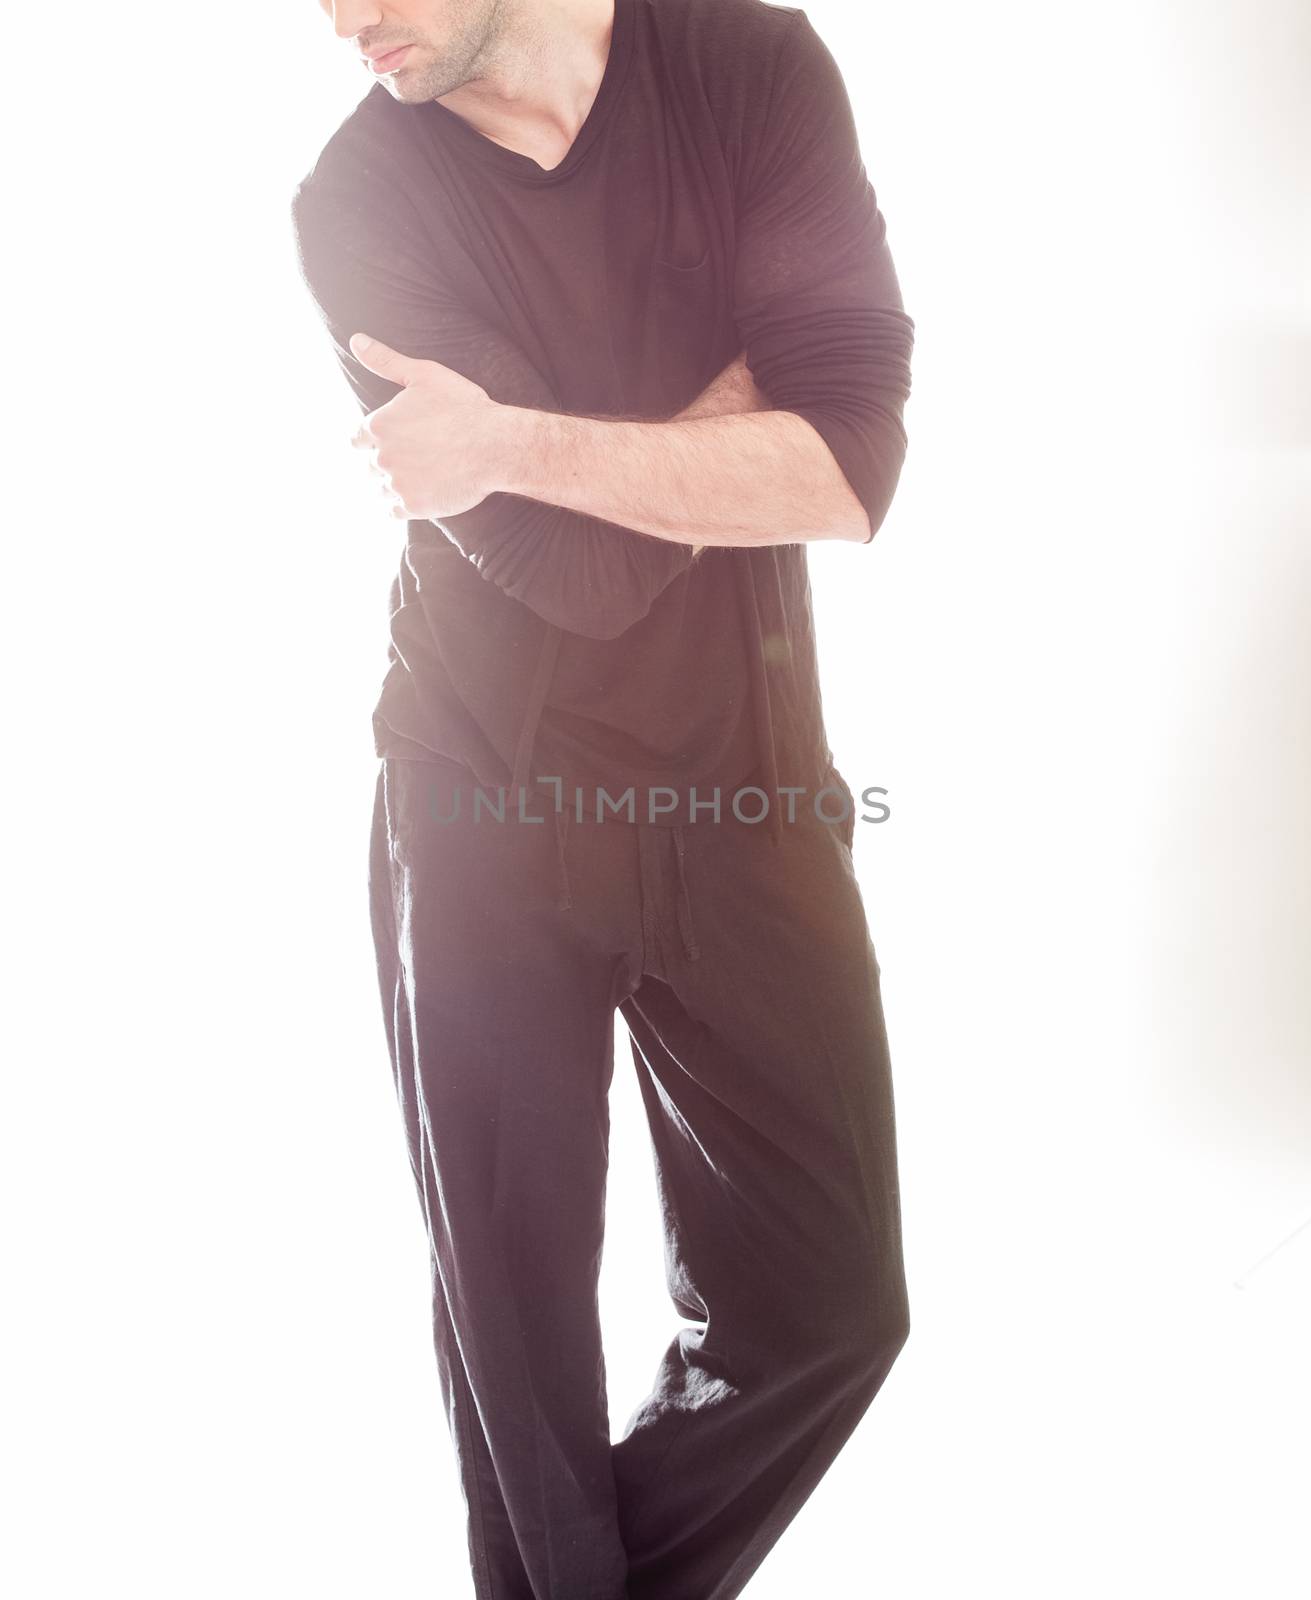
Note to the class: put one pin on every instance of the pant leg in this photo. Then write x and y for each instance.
(764, 1068)
(500, 1016)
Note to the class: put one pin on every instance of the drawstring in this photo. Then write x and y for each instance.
(764, 734)
(523, 753)
(532, 712)
(690, 947)
(764, 722)
(565, 899)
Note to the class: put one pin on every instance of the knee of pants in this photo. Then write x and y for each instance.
(851, 1334)
(864, 1339)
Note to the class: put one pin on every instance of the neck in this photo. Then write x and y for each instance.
(535, 82)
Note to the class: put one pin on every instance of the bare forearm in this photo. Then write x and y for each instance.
(730, 394)
(707, 477)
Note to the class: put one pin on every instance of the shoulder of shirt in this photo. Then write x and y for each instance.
(358, 158)
(732, 48)
(753, 29)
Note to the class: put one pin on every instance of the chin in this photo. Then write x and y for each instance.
(408, 93)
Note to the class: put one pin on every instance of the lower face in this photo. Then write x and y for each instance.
(450, 39)
(387, 65)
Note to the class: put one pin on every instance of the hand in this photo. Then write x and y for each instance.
(438, 446)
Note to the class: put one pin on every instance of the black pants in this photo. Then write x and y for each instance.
(744, 970)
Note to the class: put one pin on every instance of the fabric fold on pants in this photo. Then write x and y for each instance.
(564, 895)
(757, 1037)
(690, 947)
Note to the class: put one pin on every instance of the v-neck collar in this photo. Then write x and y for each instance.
(522, 168)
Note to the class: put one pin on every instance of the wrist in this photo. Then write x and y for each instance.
(523, 449)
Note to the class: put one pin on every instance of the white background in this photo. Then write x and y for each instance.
(1076, 655)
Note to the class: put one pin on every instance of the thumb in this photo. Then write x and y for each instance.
(383, 360)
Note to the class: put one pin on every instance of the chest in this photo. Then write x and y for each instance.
(617, 280)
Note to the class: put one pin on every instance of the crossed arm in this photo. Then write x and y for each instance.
(588, 519)
(741, 476)
(706, 476)
(731, 394)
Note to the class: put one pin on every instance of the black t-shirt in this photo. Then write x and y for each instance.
(714, 200)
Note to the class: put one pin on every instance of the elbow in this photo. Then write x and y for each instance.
(579, 574)
(866, 452)
(876, 498)
(853, 524)
(878, 490)
(571, 609)
(602, 623)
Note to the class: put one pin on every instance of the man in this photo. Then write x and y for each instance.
(610, 281)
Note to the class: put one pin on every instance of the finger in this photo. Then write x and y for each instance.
(383, 360)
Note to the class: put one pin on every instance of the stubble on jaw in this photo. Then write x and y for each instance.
(467, 53)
